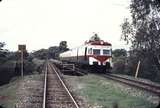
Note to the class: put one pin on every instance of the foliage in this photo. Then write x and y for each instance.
(10, 64)
(119, 60)
(143, 32)
(63, 46)
(6, 71)
(119, 65)
(2, 44)
(119, 52)
(8, 55)
(39, 64)
(51, 52)
(3, 52)
(41, 54)
(29, 67)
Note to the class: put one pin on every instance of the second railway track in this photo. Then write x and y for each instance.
(139, 84)
(131, 82)
(56, 94)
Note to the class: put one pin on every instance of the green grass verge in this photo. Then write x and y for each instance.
(8, 93)
(104, 92)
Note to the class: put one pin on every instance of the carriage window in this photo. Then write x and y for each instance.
(96, 51)
(90, 51)
(106, 52)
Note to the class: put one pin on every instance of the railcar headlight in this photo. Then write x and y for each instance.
(101, 42)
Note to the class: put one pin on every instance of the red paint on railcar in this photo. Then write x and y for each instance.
(100, 58)
(101, 42)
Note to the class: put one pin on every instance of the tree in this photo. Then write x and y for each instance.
(143, 32)
(53, 51)
(3, 52)
(119, 61)
(119, 52)
(2, 44)
(63, 46)
(41, 54)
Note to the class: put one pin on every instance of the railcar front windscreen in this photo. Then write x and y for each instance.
(96, 51)
(106, 52)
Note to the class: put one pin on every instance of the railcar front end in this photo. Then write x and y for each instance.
(100, 56)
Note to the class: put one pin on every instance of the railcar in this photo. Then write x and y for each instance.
(94, 54)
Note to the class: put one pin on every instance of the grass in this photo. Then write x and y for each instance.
(8, 92)
(98, 90)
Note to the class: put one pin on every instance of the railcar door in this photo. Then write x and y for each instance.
(85, 54)
(77, 54)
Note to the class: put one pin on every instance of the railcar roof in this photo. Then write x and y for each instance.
(101, 42)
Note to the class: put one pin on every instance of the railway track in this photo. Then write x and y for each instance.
(56, 93)
(139, 84)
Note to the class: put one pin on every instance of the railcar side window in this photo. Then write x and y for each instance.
(96, 51)
(106, 52)
(90, 51)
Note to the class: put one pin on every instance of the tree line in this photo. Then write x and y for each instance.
(10, 64)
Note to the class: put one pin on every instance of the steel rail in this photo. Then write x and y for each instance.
(134, 83)
(65, 87)
(45, 86)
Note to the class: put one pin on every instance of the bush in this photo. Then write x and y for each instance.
(6, 71)
(28, 67)
(149, 70)
(119, 65)
(12, 68)
(38, 64)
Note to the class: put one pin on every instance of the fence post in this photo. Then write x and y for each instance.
(137, 70)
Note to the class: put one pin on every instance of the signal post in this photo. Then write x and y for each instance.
(22, 49)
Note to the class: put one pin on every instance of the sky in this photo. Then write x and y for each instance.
(44, 23)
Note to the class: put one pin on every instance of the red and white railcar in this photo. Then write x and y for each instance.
(92, 53)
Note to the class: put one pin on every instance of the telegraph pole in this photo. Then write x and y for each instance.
(22, 64)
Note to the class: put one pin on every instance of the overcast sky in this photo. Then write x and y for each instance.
(44, 23)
